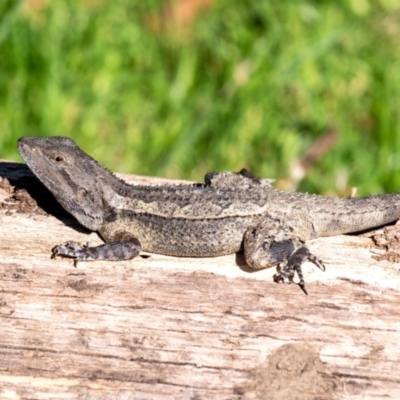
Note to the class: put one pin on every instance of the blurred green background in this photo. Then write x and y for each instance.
(307, 92)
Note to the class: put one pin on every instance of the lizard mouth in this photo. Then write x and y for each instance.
(31, 151)
(29, 148)
(23, 146)
(26, 148)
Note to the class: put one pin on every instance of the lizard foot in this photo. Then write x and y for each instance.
(115, 251)
(73, 250)
(272, 243)
(293, 265)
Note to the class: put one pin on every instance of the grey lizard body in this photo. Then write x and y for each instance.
(227, 213)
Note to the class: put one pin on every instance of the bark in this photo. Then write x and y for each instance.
(162, 327)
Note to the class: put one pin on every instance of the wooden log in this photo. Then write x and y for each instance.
(163, 327)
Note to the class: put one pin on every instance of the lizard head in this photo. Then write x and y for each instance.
(73, 177)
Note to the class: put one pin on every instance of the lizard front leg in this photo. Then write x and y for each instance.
(272, 243)
(125, 249)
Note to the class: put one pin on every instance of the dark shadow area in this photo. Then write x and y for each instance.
(26, 194)
(241, 263)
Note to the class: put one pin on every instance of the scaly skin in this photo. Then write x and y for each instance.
(229, 212)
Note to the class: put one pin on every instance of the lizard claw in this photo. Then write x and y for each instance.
(288, 273)
(294, 265)
(302, 286)
(316, 261)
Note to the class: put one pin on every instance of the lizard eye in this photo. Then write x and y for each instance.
(58, 159)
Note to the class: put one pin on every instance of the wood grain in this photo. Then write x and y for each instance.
(182, 328)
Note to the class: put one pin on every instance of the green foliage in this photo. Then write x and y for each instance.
(248, 84)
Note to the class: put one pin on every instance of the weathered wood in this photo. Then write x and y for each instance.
(179, 328)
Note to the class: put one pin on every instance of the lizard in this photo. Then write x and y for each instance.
(227, 213)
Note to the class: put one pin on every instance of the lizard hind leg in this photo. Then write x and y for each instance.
(272, 243)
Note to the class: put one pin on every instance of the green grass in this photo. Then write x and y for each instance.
(249, 84)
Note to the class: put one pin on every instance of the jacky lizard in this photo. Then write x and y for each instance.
(228, 213)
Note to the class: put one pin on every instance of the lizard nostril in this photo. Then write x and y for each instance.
(82, 193)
